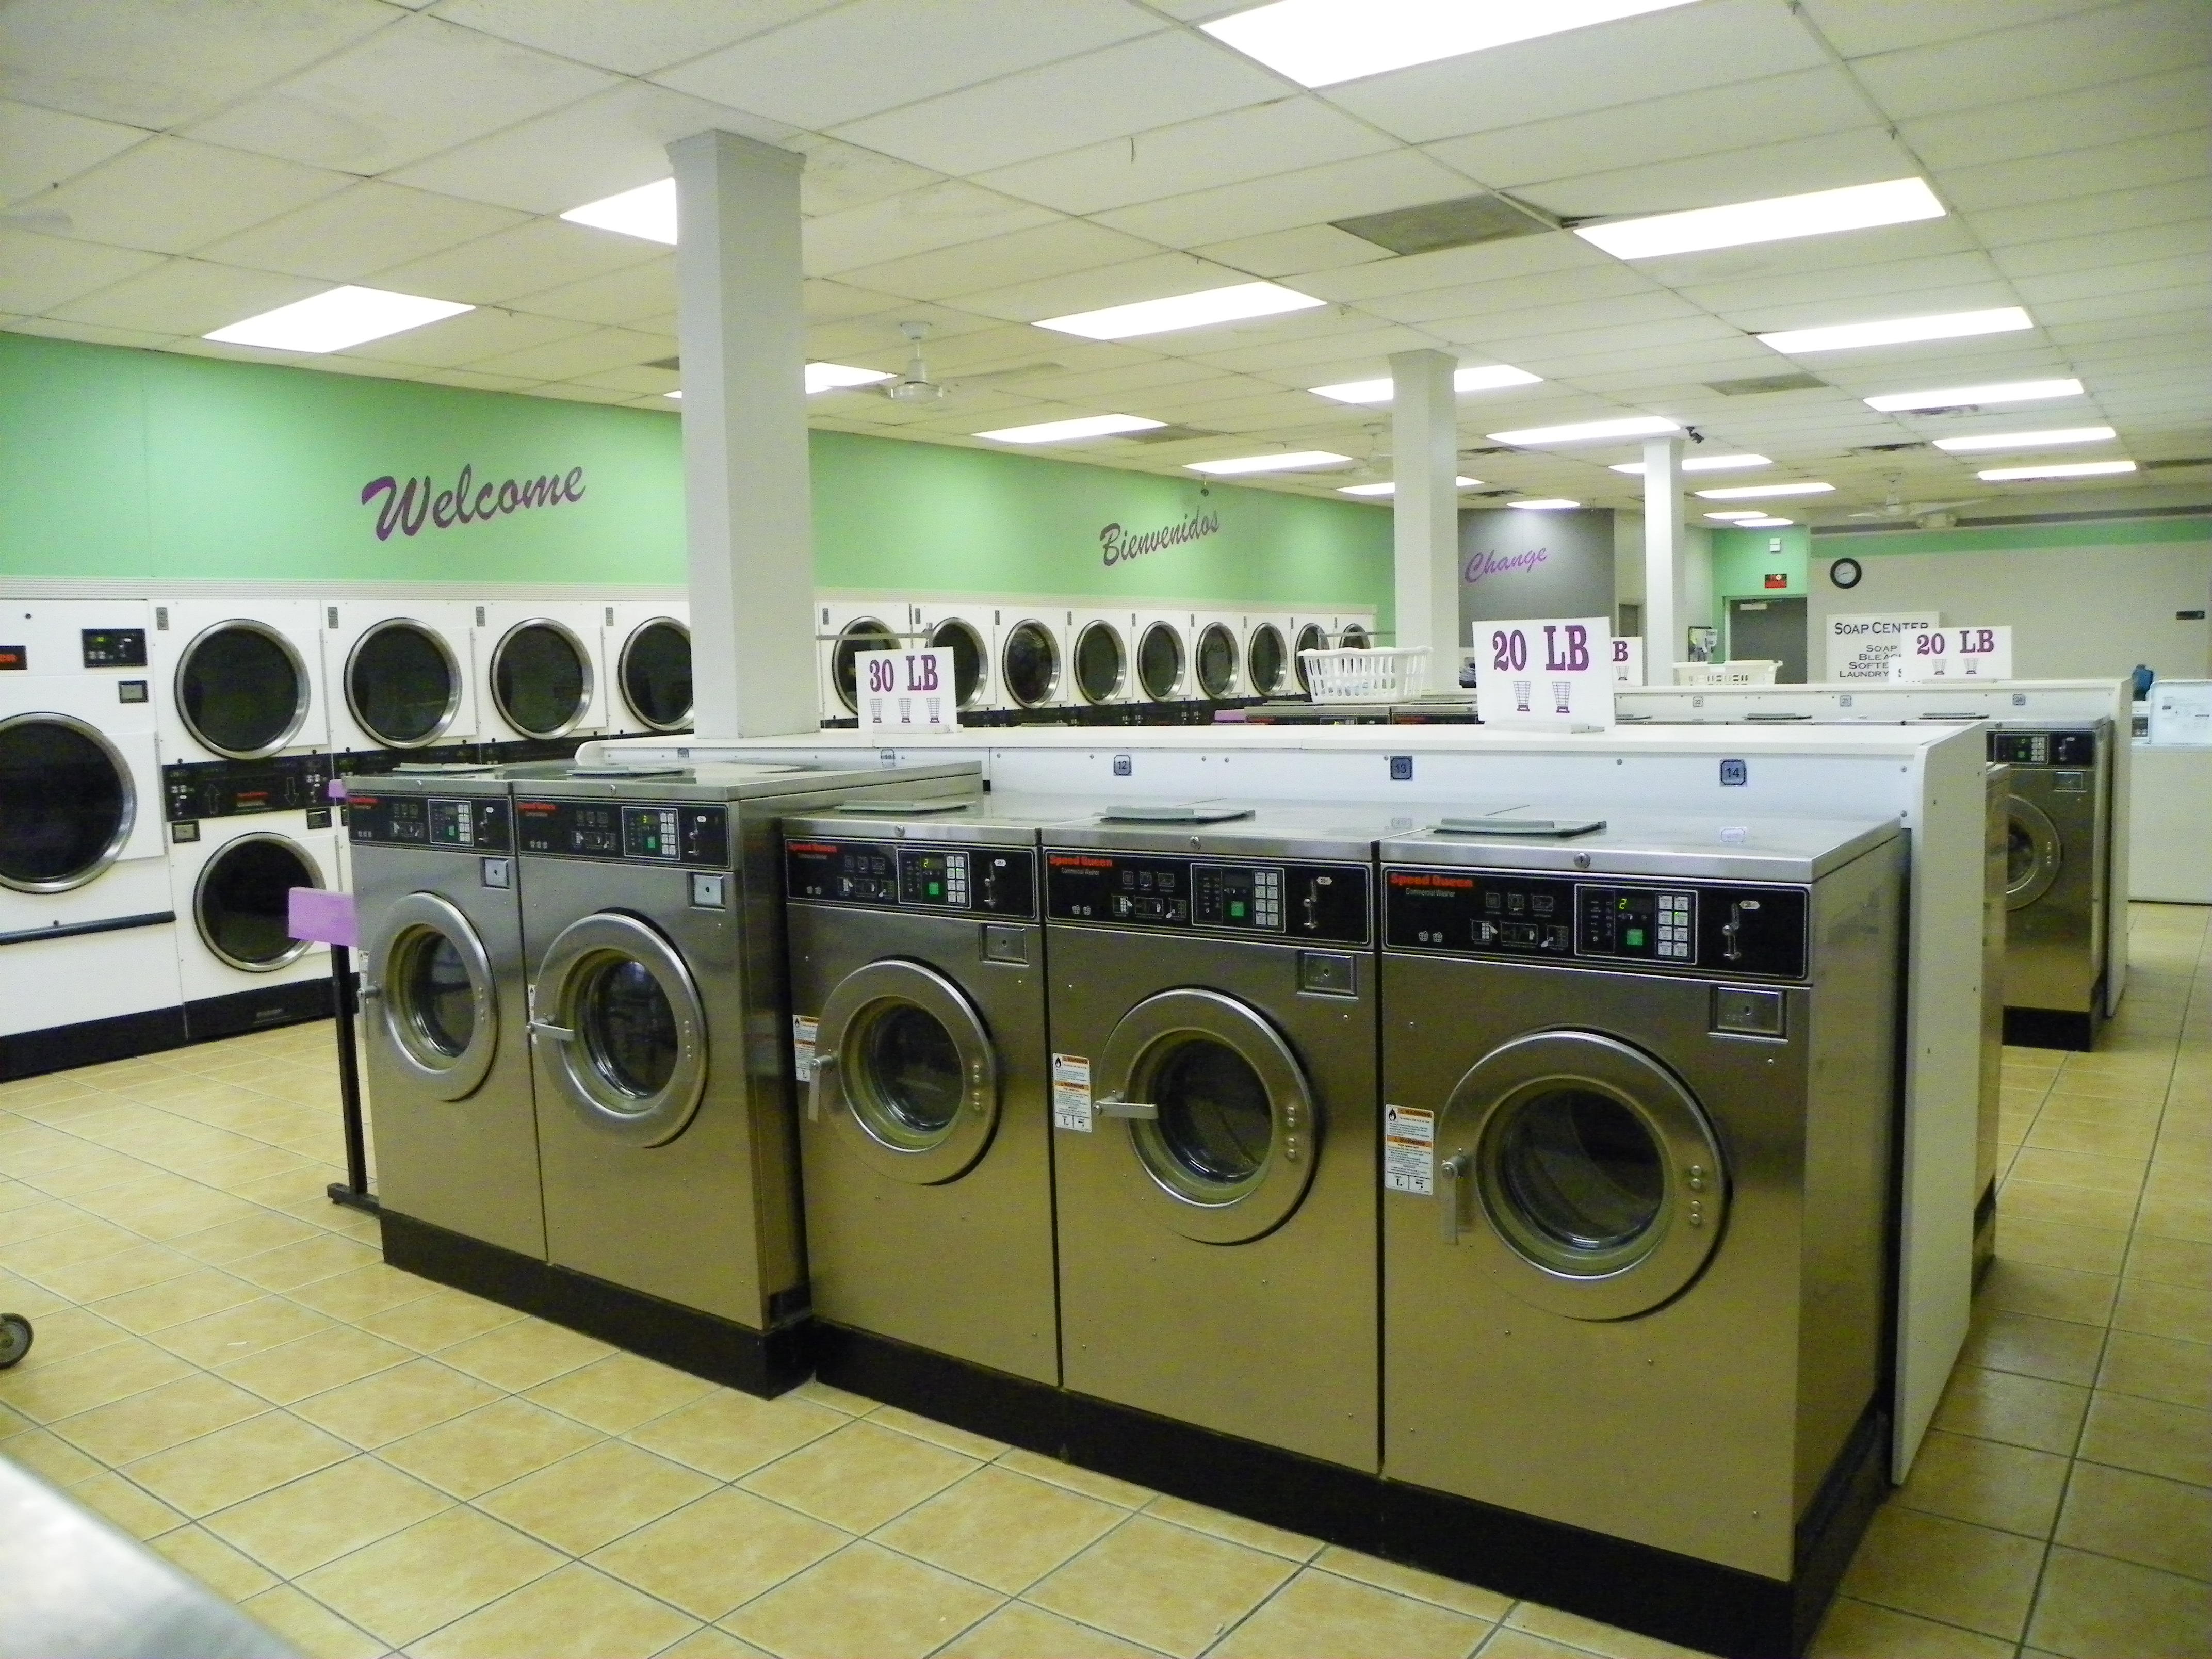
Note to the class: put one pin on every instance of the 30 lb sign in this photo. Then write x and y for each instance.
(1545, 672)
(906, 691)
(1955, 654)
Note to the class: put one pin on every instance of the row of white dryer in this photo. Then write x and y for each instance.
(1064, 655)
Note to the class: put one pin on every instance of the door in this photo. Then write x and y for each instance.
(1160, 661)
(655, 674)
(1266, 659)
(242, 901)
(1311, 637)
(2033, 853)
(1769, 631)
(541, 678)
(1217, 661)
(241, 690)
(615, 1015)
(970, 657)
(434, 1008)
(402, 684)
(867, 634)
(1100, 663)
(1029, 660)
(906, 1070)
(67, 804)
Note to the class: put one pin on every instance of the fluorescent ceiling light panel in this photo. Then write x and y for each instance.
(1489, 378)
(2050, 440)
(1083, 426)
(647, 213)
(1778, 219)
(1588, 432)
(1763, 523)
(841, 377)
(1548, 504)
(1706, 463)
(336, 318)
(1318, 43)
(1733, 513)
(1957, 397)
(2063, 470)
(1281, 463)
(1391, 488)
(1760, 492)
(1897, 331)
(1178, 311)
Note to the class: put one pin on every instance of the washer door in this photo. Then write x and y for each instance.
(865, 635)
(1310, 638)
(1159, 661)
(905, 1065)
(1101, 665)
(969, 657)
(242, 902)
(2033, 853)
(402, 684)
(1267, 660)
(1599, 1179)
(67, 804)
(1217, 661)
(617, 1017)
(1222, 1133)
(437, 1009)
(655, 674)
(242, 690)
(541, 678)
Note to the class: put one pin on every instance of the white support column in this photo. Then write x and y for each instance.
(749, 516)
(1424, 509)
(1663, 641)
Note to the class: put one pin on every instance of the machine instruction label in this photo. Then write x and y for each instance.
(1409, 1150)
(802, 1031)
(1071, 1093)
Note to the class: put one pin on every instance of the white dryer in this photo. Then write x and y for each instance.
(1270, 659)
(648, 650)
(401, 674)
(542, 669)
(238, 680)
(238, 966)
(967, 631)
(1102, 666)
(1217, 657)
(1033, 647)
(842, 630)
(1161, 656)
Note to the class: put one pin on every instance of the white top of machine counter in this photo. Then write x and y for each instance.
(1758, 850)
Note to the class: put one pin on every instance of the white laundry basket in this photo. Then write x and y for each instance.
(1375, 675)
(1744, 671)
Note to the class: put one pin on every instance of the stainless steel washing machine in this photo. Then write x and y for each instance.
(1639, 1086)
(1997, 879)
(444, 1016)
(1212, 1014)
(653, 934)
(918, 1029)
(2056, 899)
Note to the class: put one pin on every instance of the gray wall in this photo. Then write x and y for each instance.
(1515, 563)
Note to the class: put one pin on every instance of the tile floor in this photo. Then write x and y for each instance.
(371, 1464)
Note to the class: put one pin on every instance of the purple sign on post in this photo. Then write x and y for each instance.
(322, 917)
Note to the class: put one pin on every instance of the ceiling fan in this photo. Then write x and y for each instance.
(914, 384)
(1929, 515)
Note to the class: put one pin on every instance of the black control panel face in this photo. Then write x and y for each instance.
(113, 648)
(229, 789)
(1759, 931)
(475, 824)
(1271, 901)
(615, 833)
(995, 881)
(2044, 747)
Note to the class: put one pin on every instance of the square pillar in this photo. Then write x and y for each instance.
(1424, 509)
(1663, 638)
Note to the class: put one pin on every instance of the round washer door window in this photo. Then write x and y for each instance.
(437, 1008)
(1159, 661)
(242, 690)
(67, 804)
(1217, 661)
(402, 685)
(656, 674)
(615, 1018)
(1266, 661)
(541, 678)
(968, 658)
(1310, 638)
(2033, 853)
(1101, 662)
(1031, 662)
(1354, 638)
(906, 1068)
(242, 902)
(865, 635)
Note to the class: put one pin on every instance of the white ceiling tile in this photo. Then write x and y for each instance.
(468, 337)
(468, 379)
(2156, 104)
(825, 302)
(409, 92)
(1284, 357)
(2188, 236)
(613, 141)
(1534, 321)
(174, 196)
(2175, 271)
(590, 353)
(1289, 253)
(498, 268)
(1855, 303)
(1162, 376)
(2099, 172)
(2092, 333)
(1860, 29)
(154, 65)
(1216, 149)
(1140, 84)
(875, 341)
(1146, 278)
(1590, 283)
(93, 333)
(188, 296)
(571, 391)
(1842, 252)
(1530, 350)
(1485, 262)
(914, 221)
(1862, 156)
(2122, 209)
(1000, 261)
(2117, 43)
(1368, 184)
(840, 176)
(633, 39)
(1858, 288)
(639, 379)
(1587, 68)
(629, 296)
(367, 226)
(879, 54)
(39, 272)
(40, 148)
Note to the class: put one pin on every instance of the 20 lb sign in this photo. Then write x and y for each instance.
(1955, 654)
(906, 691)
(1545, 672)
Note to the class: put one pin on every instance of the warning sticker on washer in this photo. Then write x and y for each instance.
(802, 1046)
(1409, 1151)
(1071, 1093)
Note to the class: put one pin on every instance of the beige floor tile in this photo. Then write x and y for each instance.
(246, 1235)
(2177, 1218)
(181, 1209)
(620, 1392)
(303, 1261)
(2139, 1518)
(2081, 1206)
(357, 1295)
(1591, 1635)
(2020, 1410)
(307, 1522)
(236, 1333)
(2092, 1169)
(1469, 1599)
(715, 1555)
(214, 1563)
(1236, 1528)
(126, 1430)
(1001, 1529)
(708, 1643)
(112, 1274)
(864, 1600)
(2057, 1245)
(2169, 1260)
(439, 1320)
(2020, 1287)
(819, 1393)
(1091, 1484)
(2150, 1435)
(314, 1364)
(132, 1508)
(2093, 1607)
(860, 1477)
(1948, 1571)
(39, 1219)
(1019, 1630)
(44, 1390)
(572, 1613)
(392, 1404)
(2177, 1310)
(67, 1332)
(233, 1464)
(310, 1626)
(1986, 1481)
(978, 1446)
(2055, 1349)
(523, 1354)
(176, 1301)
(596, 1496)
(45, 1453)
(1166, 1587)
(1504, 1642)
(490, 1447)
(403, 1587)
(2114, 1137)
(1317, 1612)
(2158, 1368)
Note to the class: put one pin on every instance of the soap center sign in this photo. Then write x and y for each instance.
(1862, 647)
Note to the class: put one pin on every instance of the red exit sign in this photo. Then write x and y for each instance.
(1778, 579)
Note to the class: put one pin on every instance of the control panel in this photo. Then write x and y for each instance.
(1280, 901)
(113, 648)
(997, 881)
(612, 832)
(1718, 929)
(229, 789)
(478, 823)
(2042, 747)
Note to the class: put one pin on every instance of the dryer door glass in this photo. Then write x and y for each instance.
(1216, 1121)
(430, 980)
(656, 674)
(1265, 659)
(402, 685)
(1310, 638)
(1354, 638)
(1217, 661)
(629, 1027)
(968, 653)
(2033, 853)
(243, 901)
(1582, 1170)
(617, 1019)
(541, 678)
(867, 634)
(907, 1070)
(242, 690)
(1100, 664)
(66, 803)
(1159, 661)
(1031, 663)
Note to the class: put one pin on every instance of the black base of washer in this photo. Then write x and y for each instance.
(1676, 1597)
(2049, 1028)
(90, 1042)
(236, 1012)
(766, 1363)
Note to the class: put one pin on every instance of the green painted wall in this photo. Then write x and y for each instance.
(2018, 537)
(1743, 559)
(146, 466)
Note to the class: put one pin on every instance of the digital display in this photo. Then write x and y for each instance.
(1291, 901)
(1653, 924)
(935, 879)
(113, 648)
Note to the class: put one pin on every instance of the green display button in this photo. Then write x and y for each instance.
(1635, 937)
(1236, 906)
(936, 890)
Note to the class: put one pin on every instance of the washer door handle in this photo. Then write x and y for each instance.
(558, 1033)
(826, 1067)
(1114, 1106)
(1451, 1183)
(369, 993)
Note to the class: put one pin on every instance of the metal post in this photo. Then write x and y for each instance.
(352, 1191)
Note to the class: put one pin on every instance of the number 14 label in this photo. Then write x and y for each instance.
(907, 691)
(1546, 671)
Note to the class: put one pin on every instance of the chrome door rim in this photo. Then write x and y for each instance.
(2050, 851)
(1145, 636)
(863, 1124)
(452, 683)
(1052, 651)
(1275, 687)
(127, 819)
(423, 917)
(1226, 636)
(622, 674)
(1319, 635)
(1120, 662)
(860, 628)
(940, 637)
(583, 664)
(647, 1121)
(299, 947)
(300, 702)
